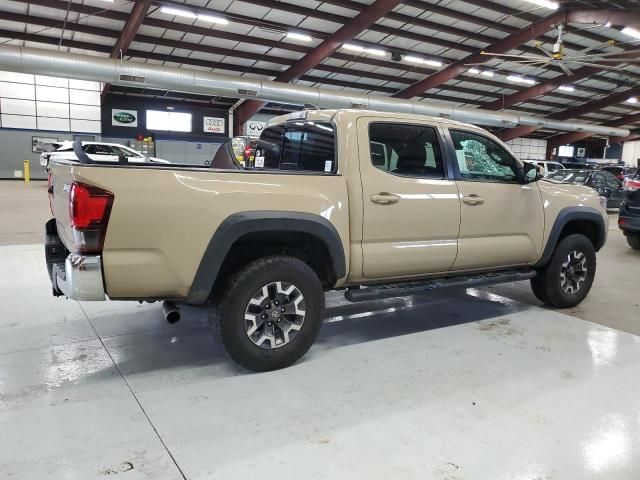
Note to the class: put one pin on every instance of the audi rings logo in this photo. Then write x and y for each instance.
(214, 125)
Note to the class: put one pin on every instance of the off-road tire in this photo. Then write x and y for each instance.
(633, 239)
(226, 316)
(547, 284)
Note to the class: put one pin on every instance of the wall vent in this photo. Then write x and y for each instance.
(132, 78)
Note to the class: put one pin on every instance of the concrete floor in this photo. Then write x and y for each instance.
(451, 385)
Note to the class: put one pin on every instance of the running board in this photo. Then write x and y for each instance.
(413, 288)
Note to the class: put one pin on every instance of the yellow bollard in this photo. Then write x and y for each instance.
(27, 171)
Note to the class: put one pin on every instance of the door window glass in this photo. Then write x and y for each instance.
(407, 150)
(97, 149)
(480, 159)
(612, 182)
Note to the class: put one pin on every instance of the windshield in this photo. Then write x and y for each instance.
(569, 176)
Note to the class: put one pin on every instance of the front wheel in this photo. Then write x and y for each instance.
(270, 313)
(566, 280)
(633, 239)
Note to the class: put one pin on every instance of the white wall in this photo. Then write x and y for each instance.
(528, 148)
(631, 153)
(37, 102)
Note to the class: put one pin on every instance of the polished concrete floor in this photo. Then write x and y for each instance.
(467, 384)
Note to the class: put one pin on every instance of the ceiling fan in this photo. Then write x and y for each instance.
(569, 62)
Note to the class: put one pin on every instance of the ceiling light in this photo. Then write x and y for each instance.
(566, 88)
(352, 47)
(632, 32)
(299, 36)
(518, 79)
(376, 51)
(178, 12)
(487, 73)
(213, 19)
(422, 61)
(475, 71)
(545, 4)
(608, 24)
(633, 100)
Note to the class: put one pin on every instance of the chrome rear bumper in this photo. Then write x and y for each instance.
(79, 278)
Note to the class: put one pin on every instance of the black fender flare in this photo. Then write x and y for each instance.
(569, 214)
(239, 224)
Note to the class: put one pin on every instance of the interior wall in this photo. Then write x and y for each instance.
(528, 148)
(631, 153)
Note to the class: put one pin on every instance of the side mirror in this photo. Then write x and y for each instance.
(531, 173)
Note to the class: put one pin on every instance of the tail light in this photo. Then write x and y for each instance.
(247, 152)
(631, 184)
(89, 209)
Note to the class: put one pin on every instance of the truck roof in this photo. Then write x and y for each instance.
(329, 115)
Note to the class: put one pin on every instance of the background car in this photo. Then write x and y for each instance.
(618, 172)
(98, 152)
(605, 183)
(244, 149)
(632, 181)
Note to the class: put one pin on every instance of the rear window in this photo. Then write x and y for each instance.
(299, 146)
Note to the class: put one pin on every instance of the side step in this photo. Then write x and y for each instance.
(412, 288)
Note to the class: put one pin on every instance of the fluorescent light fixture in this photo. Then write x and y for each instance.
(632, 32)
(487, 73)
(633, 100)
(179, 12)
(422, 61)
(518, 79)
(474, 71)
(545, 4)
(353, 47)
(608, 24)
(376, 51)
(566, 88)
(213, 19)
(299, 36)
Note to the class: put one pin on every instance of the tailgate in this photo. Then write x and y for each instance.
(59, 190)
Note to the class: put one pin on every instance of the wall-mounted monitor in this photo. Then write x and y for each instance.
(566, 151)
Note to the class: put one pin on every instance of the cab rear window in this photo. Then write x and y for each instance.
(298, 146)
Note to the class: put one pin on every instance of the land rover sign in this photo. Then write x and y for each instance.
(124, 118)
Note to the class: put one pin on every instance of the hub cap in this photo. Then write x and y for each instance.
(573, 272)
(274, 315)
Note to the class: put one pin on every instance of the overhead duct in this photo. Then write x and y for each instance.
(126, 73)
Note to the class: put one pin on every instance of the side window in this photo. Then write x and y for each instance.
(407, 150)
(301, 146)
(612, 182)
(99, 150)
(480, 159)
(597, 180)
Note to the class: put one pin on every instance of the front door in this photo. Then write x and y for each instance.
(502, 220)
(411, 208)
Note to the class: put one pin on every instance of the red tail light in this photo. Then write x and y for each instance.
(89, 209)
(630, 184)
(247, 152)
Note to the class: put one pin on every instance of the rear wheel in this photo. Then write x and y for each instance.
(634, 240)
(566, 280)
(270, 313)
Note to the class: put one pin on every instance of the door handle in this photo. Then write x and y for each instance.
(384, 198)
(473, 199)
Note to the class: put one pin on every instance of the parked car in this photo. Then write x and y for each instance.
(632, 181)
(97, 151)
(617, 171)
(402, 204)
(547, 168)
(629, 219)
(605, 183)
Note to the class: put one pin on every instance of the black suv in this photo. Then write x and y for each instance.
(629, 220)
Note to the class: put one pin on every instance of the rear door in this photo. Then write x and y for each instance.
(411, 206)
(502, 220)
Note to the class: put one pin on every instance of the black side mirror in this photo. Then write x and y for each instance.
(530, 173)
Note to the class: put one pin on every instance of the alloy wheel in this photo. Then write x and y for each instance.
(573, 272)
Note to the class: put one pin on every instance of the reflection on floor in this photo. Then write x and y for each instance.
(458, 385)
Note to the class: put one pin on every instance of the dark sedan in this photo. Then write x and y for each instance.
(629, 220)
(605, 183)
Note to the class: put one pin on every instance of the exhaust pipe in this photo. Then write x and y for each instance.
(171, 312)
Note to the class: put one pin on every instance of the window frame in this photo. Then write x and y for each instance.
(336, 166)
(518, 180)
(448, 172)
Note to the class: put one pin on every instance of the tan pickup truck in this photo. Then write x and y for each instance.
(377, 204)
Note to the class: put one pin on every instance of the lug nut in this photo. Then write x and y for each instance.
(276, 303)
(263, 316)
(267, 306)
(282, 309)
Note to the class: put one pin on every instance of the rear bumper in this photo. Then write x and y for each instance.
(79, 278)
(629, 224)
(76, 276)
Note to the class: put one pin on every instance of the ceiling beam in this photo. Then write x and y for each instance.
(541, 89)
(572, 137)
(508, 43)
(574, 112)
(360, 22)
